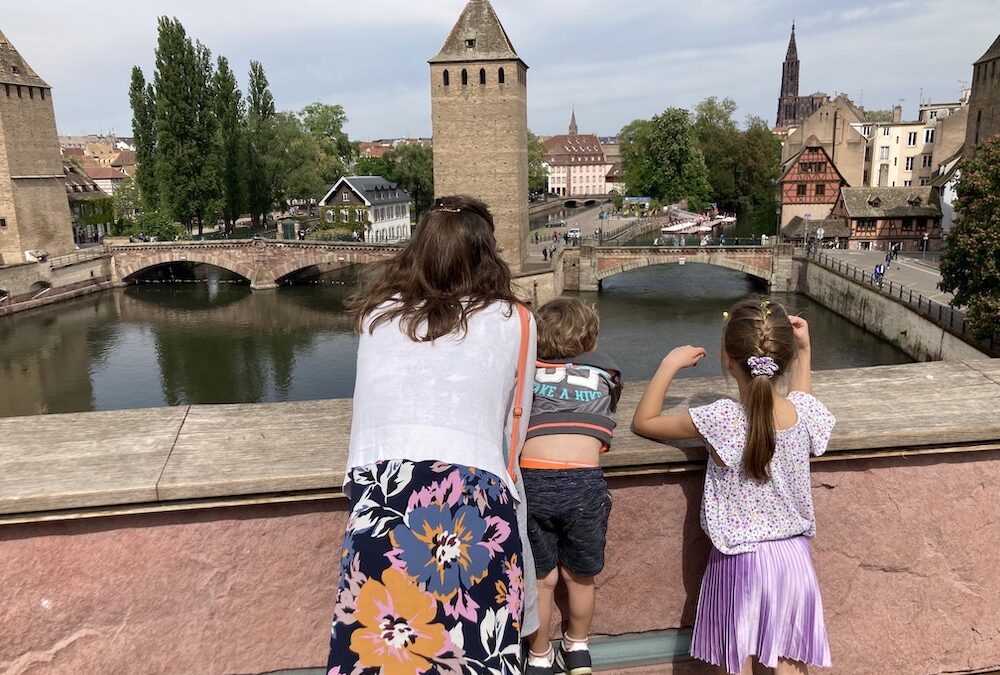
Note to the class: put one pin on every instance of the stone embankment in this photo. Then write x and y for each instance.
(208, 538)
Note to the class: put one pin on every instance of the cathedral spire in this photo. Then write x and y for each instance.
(793, 53)
(572, 124)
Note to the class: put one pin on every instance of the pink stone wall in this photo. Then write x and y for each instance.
(906, 555)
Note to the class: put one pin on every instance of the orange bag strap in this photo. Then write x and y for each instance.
(522, 367)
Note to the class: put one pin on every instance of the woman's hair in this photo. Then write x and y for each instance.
(449, 270)
(758, 327)
(566, 327)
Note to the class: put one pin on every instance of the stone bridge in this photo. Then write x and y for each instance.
(586, 267)
(263, 262)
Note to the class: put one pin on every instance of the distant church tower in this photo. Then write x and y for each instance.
(479, 115)
(572, 124)
(34, 209)
(788, 100)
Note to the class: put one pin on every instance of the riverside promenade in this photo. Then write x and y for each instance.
(206, 539)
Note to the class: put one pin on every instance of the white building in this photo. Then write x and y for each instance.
(577, 165)
(371, 205)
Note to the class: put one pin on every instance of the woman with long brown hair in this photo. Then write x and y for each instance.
(433, 569)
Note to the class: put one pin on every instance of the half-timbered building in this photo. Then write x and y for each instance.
(879, 218)
(810, 184)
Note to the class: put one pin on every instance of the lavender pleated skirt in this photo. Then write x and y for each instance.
(765, 604)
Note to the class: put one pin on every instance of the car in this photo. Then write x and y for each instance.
(574, 233)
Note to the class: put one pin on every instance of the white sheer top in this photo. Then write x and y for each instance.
(448, 400)
(737, 511)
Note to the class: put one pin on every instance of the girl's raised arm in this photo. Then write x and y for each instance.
(801, 375)
(648, 420)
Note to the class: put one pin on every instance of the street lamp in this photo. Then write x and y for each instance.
(777, 225)
(926, 242)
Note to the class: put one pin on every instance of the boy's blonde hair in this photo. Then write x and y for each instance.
(566, 327)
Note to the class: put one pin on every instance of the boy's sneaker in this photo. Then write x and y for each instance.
(574, 663)
(538, 670)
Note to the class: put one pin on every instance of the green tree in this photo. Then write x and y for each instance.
(299, 160)
(878, 116)
(325, 123)
(721, 142)
(537, 174)
(185, 125)
(678, 159)
(262, 178)
(127, 202)
(371, 166)
(642, 179)
(970, 264)
(143, 100)
(230, 144)
(412, 167)
(758, 174)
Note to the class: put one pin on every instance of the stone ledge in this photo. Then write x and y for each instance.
(201, 456)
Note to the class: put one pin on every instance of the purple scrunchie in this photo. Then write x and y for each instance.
(763, 365)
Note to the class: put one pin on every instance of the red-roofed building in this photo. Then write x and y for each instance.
(106, 177)
(810, 184)
(125, 162)
(576, 163)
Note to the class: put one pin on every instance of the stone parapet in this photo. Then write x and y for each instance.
(207, 538)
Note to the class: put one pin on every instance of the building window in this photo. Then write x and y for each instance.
(444, 78)
(820, 189)
(465, 77)
(482, 76)
(866, 130)
(14, 69)
(19, 91)
(7, 89)
(883, 152)
(43, 93)
(907, 223)
(909, 164)
(925, 161)
(886, 131)
(500, 76)
(3, 222)
(31, 93)
(911, 139)
(345, 216)
(934, 114)
(470, 43)
(346, 197)
(800, 190)
(907, 183)
(923, 181)
(928, 135)
(329, 216)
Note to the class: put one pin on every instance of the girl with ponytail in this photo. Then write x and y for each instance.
(759, 597)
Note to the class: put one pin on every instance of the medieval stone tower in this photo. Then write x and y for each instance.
(479, 112)
(34, 210)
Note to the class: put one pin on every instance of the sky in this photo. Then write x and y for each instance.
(612, 61)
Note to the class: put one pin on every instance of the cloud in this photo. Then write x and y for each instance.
(615, 62)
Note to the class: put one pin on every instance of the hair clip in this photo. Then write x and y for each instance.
(725, 316)
(440, 206)
(763, 365)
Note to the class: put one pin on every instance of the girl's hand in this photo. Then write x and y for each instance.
(684, 357)
(800, 331)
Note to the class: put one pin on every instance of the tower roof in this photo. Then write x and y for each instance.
(478, 35)
(14, 69)
(572, 124)
(793, 53)
(992, 53)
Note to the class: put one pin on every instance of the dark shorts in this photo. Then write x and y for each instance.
(567, 518)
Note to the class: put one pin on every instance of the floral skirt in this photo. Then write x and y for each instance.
(431, 574)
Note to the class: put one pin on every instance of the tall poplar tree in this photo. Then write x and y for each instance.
(230, 113)
(261, 150)
(185, 125)
(143, 100)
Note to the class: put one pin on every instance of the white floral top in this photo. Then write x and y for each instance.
(736, 511)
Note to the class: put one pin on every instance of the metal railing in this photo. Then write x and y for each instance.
(77, 257)
(947, 317)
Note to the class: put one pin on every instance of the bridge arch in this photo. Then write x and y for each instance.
(135, 265)
(754, 262)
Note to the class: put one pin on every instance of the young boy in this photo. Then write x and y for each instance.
(576, 389)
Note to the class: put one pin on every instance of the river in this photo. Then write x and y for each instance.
(170, 344)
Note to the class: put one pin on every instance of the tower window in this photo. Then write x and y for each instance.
(444, 78)
(7, 89)
(470, 43)
(465, 77)
(19, 91)
(43, 93)
(500, 76)
(482, 76)
(14, 70)
(3, 222)
(31, 93)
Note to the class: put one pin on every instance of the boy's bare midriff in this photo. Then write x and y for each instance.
(574, 448)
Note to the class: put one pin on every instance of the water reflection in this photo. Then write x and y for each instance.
(169, 344)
